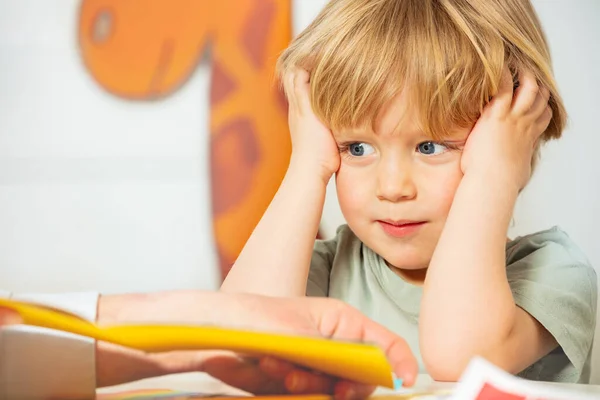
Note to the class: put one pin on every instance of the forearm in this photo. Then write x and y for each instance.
(117, 364)
(280, 247)
(467, 305)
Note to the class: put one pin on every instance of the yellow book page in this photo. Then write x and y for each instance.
(359, 362)
(166, 394)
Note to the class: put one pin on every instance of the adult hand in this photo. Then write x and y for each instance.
(9, 317)
(305, 316)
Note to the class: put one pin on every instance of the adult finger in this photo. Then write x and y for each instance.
(9, 317)
(345, 390)
(305, 382)
(243, 373)
(276, 368)
(345, 322)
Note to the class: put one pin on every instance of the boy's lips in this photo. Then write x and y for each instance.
(400, 228)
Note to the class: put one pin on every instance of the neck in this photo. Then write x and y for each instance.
(412, 276)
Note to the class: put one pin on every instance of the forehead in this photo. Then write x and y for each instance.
(398, 117)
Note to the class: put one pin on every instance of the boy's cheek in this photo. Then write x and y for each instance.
(441, 186)
(353, 190)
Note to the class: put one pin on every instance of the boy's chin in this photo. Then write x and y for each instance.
(406, 262)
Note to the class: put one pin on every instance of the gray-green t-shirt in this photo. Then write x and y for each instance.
(549, 276)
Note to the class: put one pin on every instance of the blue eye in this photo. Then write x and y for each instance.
(431, 148)
(360, 149)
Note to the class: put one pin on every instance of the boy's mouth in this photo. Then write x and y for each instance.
(400, 228)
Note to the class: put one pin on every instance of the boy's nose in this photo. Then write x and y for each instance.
(395, 183)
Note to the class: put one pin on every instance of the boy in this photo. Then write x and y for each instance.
(431, 114)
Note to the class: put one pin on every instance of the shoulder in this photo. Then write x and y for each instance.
(552, 280)
(340, 248)
(344, 238)
(550, 255)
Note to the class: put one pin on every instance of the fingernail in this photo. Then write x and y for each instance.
(398, 383)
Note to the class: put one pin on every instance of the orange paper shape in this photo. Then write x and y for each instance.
(147, 49)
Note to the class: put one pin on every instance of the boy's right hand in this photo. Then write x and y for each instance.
(313, 146)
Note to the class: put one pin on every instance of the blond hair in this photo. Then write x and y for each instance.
(362, 53)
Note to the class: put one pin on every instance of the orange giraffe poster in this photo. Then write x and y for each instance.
(147, 49)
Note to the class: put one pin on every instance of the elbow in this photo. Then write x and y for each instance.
(447, 363)
(443, 369)
(444, 358)
(444, 373)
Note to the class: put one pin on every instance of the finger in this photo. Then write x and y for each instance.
(541, 102)
(401, 358)
(288, 86)
(305, 382)
(302, 90)
(9, 317)
(526, 93)
(345, 390)
(241, 373)
(397, 351)
(542, 122)
(345, 322)
(276, 368)
(503, 98)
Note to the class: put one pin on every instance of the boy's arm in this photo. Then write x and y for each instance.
(467, 306)
(276, 259)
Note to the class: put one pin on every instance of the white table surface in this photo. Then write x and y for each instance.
(197, 382)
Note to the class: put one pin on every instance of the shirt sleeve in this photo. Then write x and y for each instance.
(320, 267)
(37, 363)
(555, 285)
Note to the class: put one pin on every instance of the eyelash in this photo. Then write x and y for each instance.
(344, 147)
(451, 146)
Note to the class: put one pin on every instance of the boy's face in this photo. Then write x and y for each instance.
(395, 186)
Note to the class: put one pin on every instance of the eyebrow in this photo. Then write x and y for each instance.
(353, 132)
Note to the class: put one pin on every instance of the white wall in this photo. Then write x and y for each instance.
(95, 192)
(102, 193)
(98, 192)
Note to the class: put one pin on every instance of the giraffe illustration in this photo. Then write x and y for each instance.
(146, 49)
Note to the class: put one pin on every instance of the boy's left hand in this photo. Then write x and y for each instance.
(503, 140)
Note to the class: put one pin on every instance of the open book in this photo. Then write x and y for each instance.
(360, 362)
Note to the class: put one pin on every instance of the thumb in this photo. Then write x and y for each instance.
(9, 317)
(341, 321)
